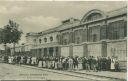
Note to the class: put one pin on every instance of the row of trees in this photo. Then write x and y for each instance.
(10, 34)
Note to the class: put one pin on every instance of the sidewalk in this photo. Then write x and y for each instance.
(107, 74)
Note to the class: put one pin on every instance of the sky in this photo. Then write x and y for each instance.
(36, 16)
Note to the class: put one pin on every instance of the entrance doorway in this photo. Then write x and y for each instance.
(45, 51)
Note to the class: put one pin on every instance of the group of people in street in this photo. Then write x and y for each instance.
(90, 63)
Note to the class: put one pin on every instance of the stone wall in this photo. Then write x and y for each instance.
(118, 49)
(65, 51)
(94, 49)
(78, 50)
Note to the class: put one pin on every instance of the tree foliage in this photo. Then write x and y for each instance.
(0, 35)
(11, 33)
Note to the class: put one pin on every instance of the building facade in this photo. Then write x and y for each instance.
(96, 34)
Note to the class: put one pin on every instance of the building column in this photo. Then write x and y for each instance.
(59, 51)
(47, 51)
(34, 52)
(104, 49)
(85, 46)
(71, 51)
(37, 52)
(54, 51)
(87, 33)
(42, 52)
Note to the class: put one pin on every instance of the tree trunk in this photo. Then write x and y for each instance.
(14, 48)
(5, 46)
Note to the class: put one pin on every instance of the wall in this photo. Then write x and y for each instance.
(117, 48)
(94, 49)
(78, 50)
(65, 51)
(29, 39)
(48, 37)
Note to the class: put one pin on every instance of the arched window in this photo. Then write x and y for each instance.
(40, 40)
(51, 38)
(93, 15)
(45, 39)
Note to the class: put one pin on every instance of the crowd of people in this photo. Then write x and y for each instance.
(90, 63)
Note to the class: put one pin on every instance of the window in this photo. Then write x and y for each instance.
(58, 37)
(125, 28)
(40, 40)
(65, 42)
(89, 34)
(78, 40)
(115, 35)
(45, 39)
(94, 38)
(103, 32)
(34, 40)
(51, 38)
(75, 35)
(84, 38)
(71, 37)
(116, 30)
(93, 16)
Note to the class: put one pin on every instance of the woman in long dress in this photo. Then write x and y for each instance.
(10, 60)
(40, 63)
(56, 62)
(112, 64)
(44, 62)
(79, 63)
(28, 60)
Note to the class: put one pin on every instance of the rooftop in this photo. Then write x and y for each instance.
(72, 22)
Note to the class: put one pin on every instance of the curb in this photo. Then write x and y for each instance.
(100, 76)
(61, 72)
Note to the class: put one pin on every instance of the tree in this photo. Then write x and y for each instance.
(0, 35)
(11, 33)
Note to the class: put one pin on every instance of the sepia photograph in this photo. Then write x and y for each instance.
(63, 40)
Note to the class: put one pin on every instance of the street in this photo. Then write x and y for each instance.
(13, 72)
(16, 72)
